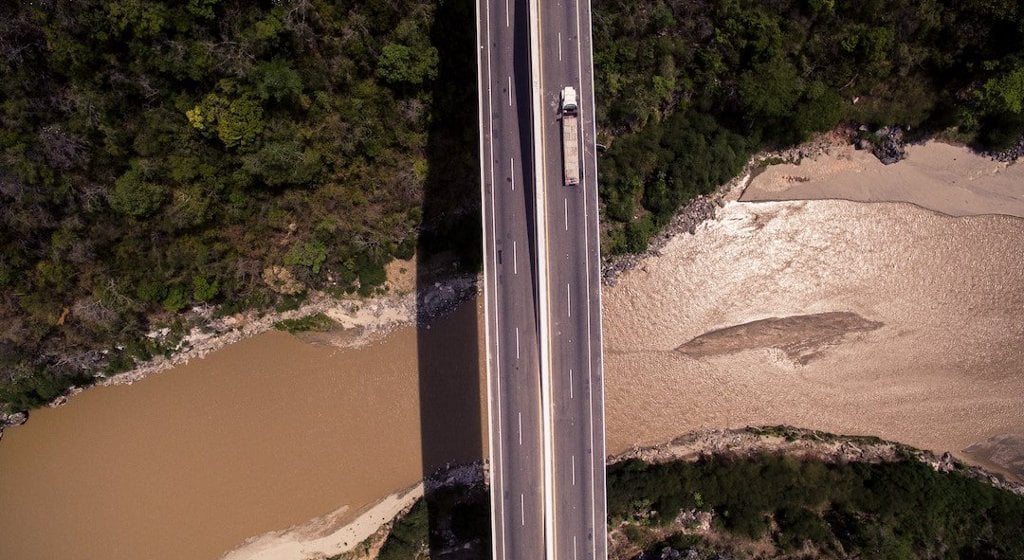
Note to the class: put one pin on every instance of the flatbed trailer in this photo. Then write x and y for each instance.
(570, 137)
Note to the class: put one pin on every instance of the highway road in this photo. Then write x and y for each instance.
(513, 353)
(573, 288)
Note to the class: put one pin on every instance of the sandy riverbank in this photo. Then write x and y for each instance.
(326, 536)
(937, 176)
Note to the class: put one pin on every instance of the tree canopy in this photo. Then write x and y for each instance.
(157, 156)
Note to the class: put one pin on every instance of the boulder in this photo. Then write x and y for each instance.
(889, 147)
(13, 419)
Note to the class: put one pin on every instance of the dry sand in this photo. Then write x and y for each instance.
(948, 179)
(324, 536)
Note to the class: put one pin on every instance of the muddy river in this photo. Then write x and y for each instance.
(881, 319)
(262, 435)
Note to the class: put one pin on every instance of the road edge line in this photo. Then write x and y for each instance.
(493, 443)
(600, 522)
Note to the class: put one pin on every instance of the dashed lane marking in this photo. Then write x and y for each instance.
(517, 343)
(515, 258)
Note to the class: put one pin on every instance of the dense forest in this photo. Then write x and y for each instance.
(162, 157)
(768, 506)
(818, 510)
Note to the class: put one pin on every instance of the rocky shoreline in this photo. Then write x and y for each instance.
(887, 144)
(369, 318)
(372, 318)
(805, 444)
(696, 212)
(704, 208)
(743, 443)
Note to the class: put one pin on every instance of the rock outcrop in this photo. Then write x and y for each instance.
(11, 419)
(886, 143)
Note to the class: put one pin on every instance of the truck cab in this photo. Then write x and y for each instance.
(569, 106)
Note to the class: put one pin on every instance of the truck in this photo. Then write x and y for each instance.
(570, 136)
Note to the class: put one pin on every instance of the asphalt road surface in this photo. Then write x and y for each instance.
(574, 288)
(513, 356)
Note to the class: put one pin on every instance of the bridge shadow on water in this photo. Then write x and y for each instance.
(452, 416)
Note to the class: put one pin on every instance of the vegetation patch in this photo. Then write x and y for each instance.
(317, 322)
(777, 506)
(749, 502)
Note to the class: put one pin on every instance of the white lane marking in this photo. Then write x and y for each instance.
(512, 171)
(517, 343)
(573, 470)
(520, 428)
(510, 91)
(570, 384)
(522, 509)
(568, 299)
(506, 14)
(566, 201)
(559, 45)
(574, 547)
(515, 258)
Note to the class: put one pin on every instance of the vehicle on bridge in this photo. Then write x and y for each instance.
(570, 136)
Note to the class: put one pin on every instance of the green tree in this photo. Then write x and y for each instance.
(277, 80)
(311, 254)
(402, 65)
(175, 300)
(202, 8)
(241, 124)
(238, 122)
(283, 163)
(820, 110)
(1004, 93)
(135, 196)
(203, 290)
(143, 18)
(770, 89)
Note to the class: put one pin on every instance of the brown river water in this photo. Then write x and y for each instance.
(265, 434)
(879, 319)
(923, 344)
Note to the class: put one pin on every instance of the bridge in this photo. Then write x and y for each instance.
(542, 284)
